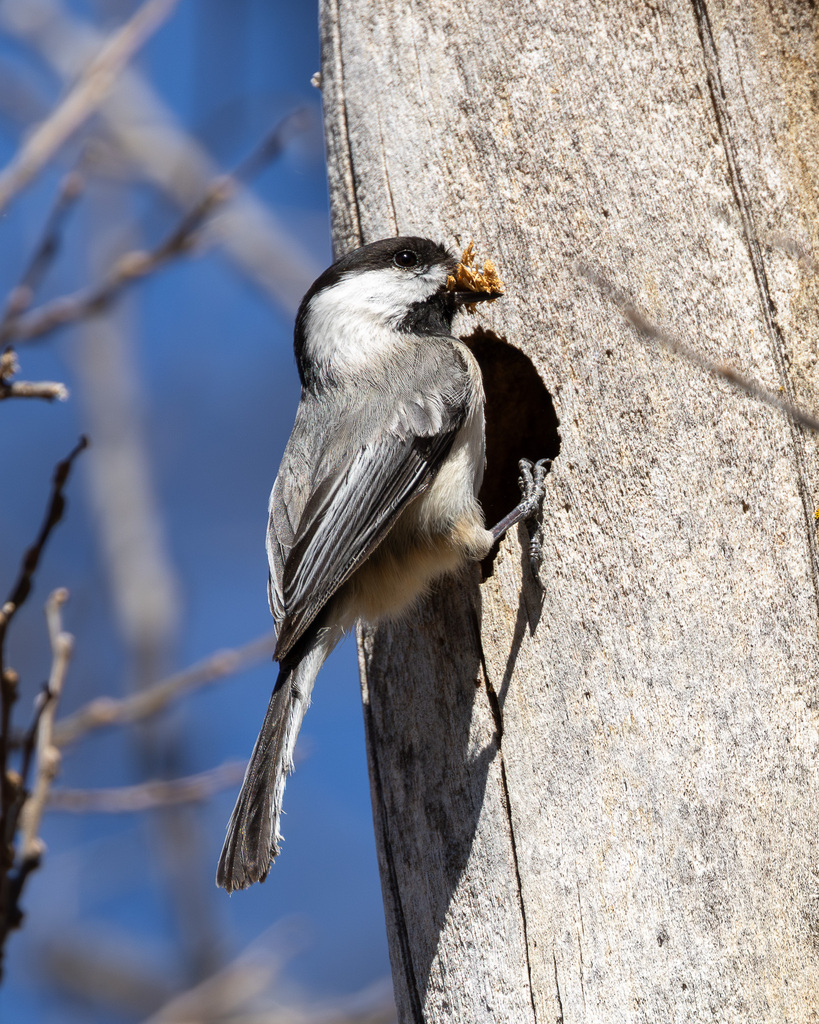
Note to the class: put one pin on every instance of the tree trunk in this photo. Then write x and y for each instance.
(598, 801)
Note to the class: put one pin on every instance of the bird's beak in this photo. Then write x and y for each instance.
(464, 297)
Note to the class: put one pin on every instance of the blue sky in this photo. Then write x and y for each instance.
(215, 389)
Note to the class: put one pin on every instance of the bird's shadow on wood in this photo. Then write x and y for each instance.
(434, 725)
(430, 745)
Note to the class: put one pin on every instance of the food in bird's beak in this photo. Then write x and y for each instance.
(469, 278)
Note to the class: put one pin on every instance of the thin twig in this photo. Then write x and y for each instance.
(28, 808)
(18, 595)
(138, 264)
(31, 559)
(106, 711)
(680, 348)
(47, 389)
(27, 743)
(148, 795)
(22, 295)
(90, 90)
(48, 755)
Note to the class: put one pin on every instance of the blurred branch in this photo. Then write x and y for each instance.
(241, 995)
(47, 389)
(104, 970)
(22, 101)
(138, 264)
(671, 343)
(148, 795)
(106, 711)
(158, 148)
(22, 295)
(142, 576)
(48, 755)
(243, 992)
(115, 977)
(93, 86)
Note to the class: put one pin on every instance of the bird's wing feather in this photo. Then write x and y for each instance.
(346, 518)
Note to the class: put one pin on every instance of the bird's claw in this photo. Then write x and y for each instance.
(532, 482)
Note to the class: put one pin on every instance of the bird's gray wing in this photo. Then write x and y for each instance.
(348, 515)
(291, 492)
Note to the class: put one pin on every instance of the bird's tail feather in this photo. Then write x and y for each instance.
(252, 841)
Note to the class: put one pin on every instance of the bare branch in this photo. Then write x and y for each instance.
(106, 711)
(22, 295)
(138, 264)
(31, 559)
(8, 679)
(678, 347)
(48, 755)
(147, 795)
(12, 794)
(26, 389)
(17, 805)
(92, 88)
(47, 389)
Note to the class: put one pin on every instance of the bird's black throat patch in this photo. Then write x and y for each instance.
(432, 317)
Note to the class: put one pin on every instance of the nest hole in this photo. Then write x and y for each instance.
(520, 420)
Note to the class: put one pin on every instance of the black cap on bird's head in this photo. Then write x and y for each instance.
(406, 252)
(407, 284)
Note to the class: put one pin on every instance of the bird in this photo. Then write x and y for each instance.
(376, 494)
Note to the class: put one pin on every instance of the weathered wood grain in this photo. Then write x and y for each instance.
(605, 809)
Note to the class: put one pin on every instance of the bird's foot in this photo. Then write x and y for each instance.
(532, 482)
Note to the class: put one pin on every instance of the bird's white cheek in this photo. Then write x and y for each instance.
(346, 341)
(351, 322)
(385, 293)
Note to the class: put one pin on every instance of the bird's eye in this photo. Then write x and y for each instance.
(405, 259)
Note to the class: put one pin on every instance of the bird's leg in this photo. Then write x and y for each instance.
(532, 483)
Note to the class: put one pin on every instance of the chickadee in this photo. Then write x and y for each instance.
(376, 493)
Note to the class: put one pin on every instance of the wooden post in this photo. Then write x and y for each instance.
(600, 803)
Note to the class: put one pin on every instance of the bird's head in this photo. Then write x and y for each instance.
(396, 286)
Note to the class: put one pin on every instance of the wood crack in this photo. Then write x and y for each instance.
(332, 51)
(497, 715)
(773, 330)
(387, 176)
(557, 990)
